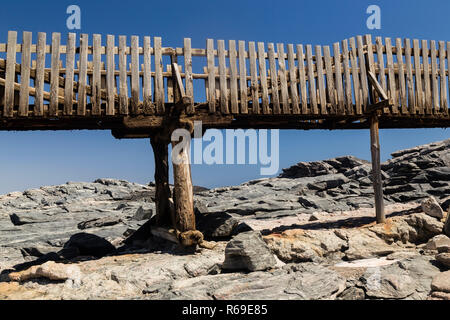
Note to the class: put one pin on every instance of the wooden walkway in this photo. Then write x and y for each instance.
(140, 89)
(128, 84)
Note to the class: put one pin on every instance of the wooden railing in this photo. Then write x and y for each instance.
(96, 77)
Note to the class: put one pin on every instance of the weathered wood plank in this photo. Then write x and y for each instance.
(426, 78)
(263, 78)
(302, 79)
(123, 77)
(370, 60)
(355, 76)
(283, 79)
(347, 78)
(409, 77)
(311, 80)
(70, 64)
(380, 59)
(10, 74)
(442, 77)
(338, 78)
(159, 80)
(242, 78)
(434, 76)
(273, 79)
(363, 73)
(39, 80)
(320, 80)
(110, 76)
(188, 74)
(330, 80)
(211, 75)
(293, 79)
(401, 77)
(446, 111)
(392, 92)
(254, 77)
(96, 77)
(54, 80)
(25, 74)
(222, 77)
(418, 72)
(82, 76)
(233, 77)
(135, 87)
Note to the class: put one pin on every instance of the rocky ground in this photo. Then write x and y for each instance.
(307, 234)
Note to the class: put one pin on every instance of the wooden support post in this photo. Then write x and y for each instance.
(376, 168)
(162, 193)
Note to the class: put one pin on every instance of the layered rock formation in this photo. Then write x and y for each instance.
(307, 234)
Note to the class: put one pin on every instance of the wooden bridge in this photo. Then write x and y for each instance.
(140, 89)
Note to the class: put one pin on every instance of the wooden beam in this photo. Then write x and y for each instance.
(376, 169)
(162, 193)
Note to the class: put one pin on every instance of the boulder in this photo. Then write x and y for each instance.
(50, 270)
(248, 251)
(447, 224)
(90, 245)
(441, 243)
(432, 208)
(99, 222)
(142, 214)
(444, 259)
(441, 282)
(216, 226)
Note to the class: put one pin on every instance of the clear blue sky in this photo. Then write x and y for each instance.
(32, 159)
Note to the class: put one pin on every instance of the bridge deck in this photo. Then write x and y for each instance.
(132, 87)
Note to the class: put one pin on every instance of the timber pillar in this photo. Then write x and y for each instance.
(376, 168)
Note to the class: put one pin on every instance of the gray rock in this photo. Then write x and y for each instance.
(441, 243)
(444, 258)
(143, 214)
(216, 225)
(90, 245)
(432, 208)
(352, 293)
(248, 251)
(21, 218)
(99, 222)
(441, 282)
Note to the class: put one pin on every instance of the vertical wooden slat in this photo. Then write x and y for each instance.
(370, 57)
(320, 80)
(380, 58)
(302, 78)
(39, 81)
(347, 77)
(363, 73)
(391, 76)
(25, 74)
(170, 93)
(82, 77)
(426, 77)
(283, 80)
(96, 84)
(401, 76)
(311, 80)
(222, 77)
(159, 80)
(338, 78)
(233, 76)
(418, 71)
(54, 76)
(70, 64)
(242, 78)
(273, 79)
(110, 76)
(409, 77)
(189, 86)
(292, 79)
(330, 79)
(442, 76)
(355, 76)
(263, 78)
(211, 75)
(147, 77)
(123, 78)
(434, 75)
(254, 77)
(10, 74)
(135, 90)
(446, 111)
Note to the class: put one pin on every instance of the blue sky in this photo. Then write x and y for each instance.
(32, 159)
